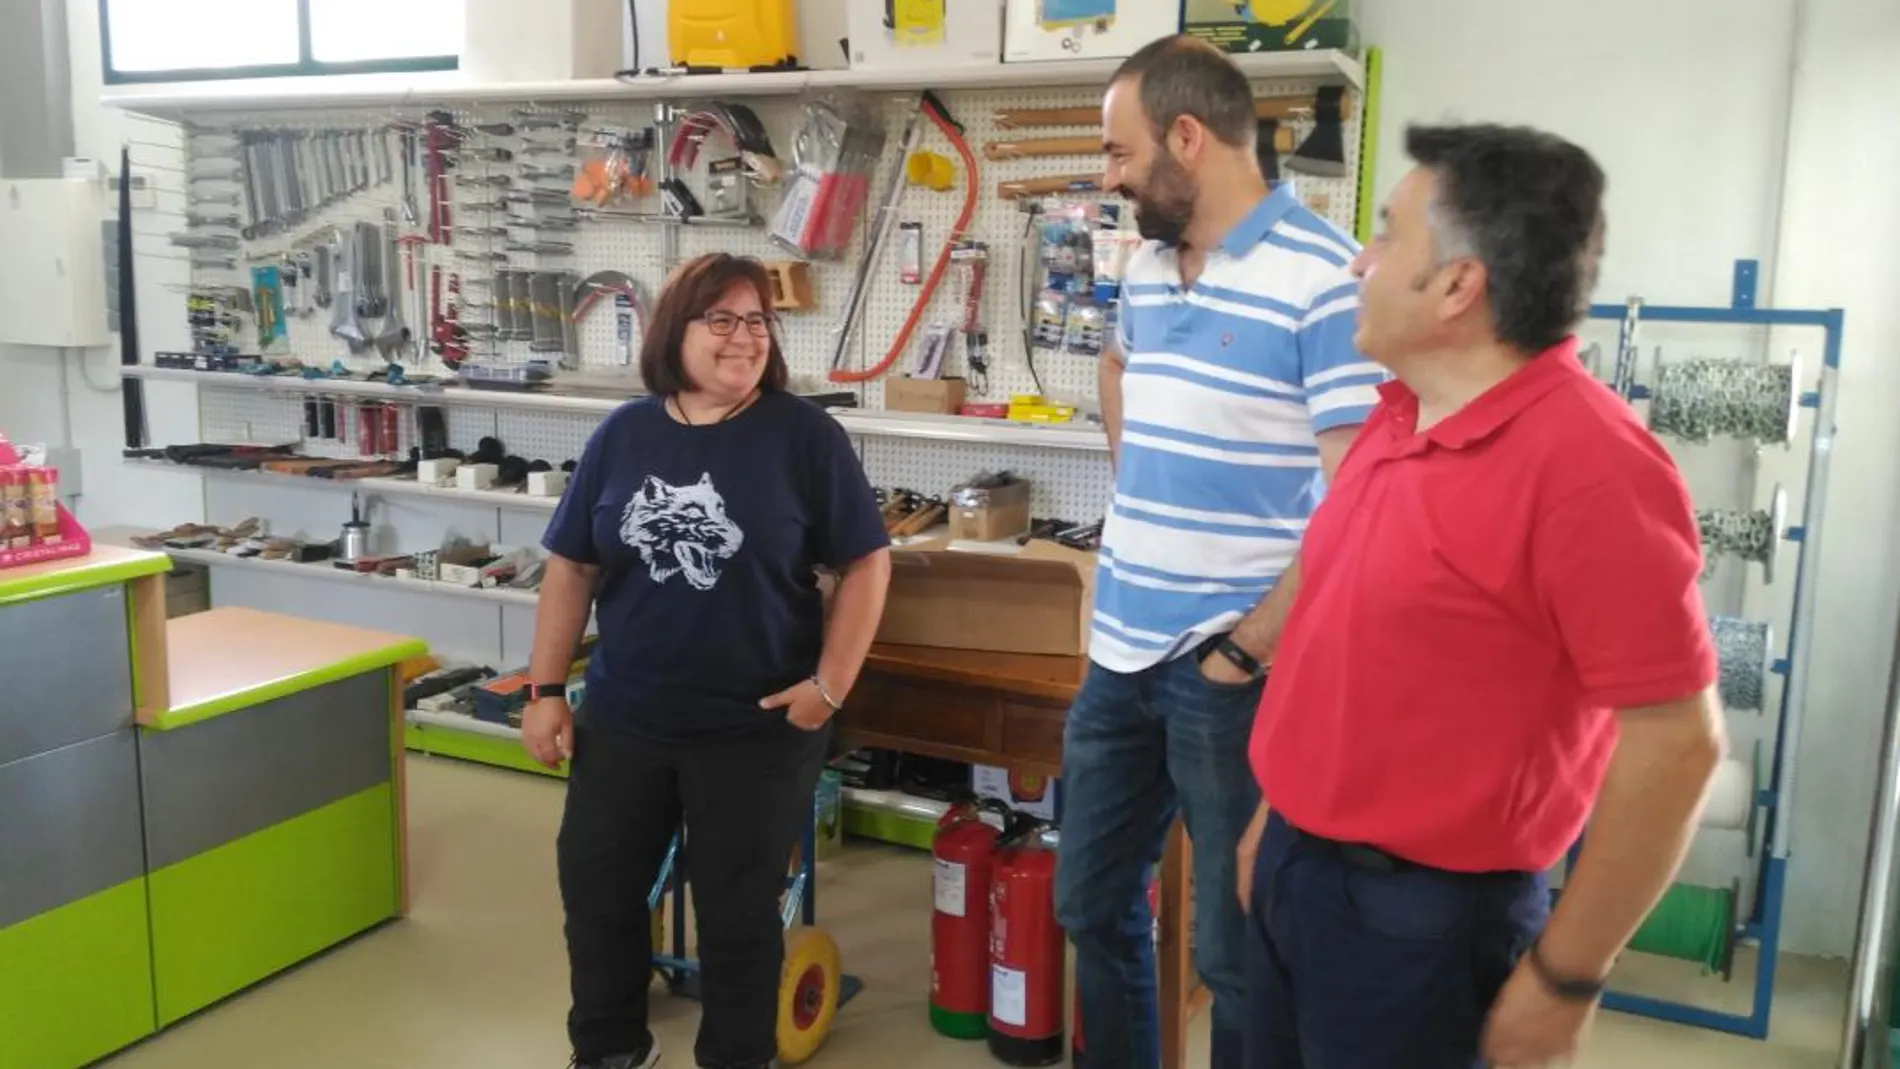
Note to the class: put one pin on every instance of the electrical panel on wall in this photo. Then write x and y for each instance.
(52, 273)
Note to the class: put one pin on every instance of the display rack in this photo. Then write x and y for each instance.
(1761, 922)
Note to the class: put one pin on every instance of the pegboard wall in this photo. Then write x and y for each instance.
(1069, 484)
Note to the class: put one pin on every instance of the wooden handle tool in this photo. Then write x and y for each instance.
(1283, 142)
(1050, 185)
(1043, 146)
(1294, 107)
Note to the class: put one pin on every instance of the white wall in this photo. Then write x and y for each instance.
(30, 397)
(1686, 103)
(1840, 247)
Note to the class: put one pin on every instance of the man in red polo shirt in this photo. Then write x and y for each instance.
(1497, 637)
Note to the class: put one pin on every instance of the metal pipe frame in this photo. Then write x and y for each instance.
(1777, 799)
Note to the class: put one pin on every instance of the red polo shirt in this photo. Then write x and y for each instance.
(1475, 603)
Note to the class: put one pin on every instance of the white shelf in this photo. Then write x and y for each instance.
(329, 573)
(884, 424)
(385, 486)
(858, 421)
(462, 723)
(422, 395)
(180, 101)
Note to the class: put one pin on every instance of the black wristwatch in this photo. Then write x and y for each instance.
(1565, 988)
(538, 691)
(1241, 659)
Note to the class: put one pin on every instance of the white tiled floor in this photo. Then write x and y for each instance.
(475, 978)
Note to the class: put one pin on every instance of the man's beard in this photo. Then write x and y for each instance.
(1165, 207)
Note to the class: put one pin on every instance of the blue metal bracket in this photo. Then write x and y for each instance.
(1747, 275)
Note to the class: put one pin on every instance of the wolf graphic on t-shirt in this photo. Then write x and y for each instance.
(681, 530)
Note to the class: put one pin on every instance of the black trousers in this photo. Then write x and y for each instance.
(1358, 961)
(744, 802)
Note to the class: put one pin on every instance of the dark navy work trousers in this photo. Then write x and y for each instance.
(1356, 960)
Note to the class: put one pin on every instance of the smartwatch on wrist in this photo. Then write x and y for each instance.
(1565, 988)
(538, 691)
(1240, 658)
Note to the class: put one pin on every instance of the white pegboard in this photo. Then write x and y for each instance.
(1072, 485)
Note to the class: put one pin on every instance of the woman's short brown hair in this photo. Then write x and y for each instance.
(696, 286)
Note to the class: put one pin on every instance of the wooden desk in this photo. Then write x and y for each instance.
(1007, 710)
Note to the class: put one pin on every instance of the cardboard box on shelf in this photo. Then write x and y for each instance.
(924, 33)
(990, 514)
(1037, 30)
(1271, 25)
(1030, 795)
(1037, 600)
(938, 396)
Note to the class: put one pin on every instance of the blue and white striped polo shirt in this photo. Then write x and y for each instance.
(1226, 386)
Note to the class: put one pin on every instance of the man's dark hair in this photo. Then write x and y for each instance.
(696, 286)
(1529, 206)
(1183, 75)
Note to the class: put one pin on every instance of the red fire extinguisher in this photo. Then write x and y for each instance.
(1026, 951)
(963, 849)
(1079, 1048)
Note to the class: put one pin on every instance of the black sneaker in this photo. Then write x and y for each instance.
(624, 1061)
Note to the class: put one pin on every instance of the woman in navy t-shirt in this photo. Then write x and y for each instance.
(694, 528)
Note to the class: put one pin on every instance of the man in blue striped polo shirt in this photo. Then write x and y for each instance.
(1235, 390)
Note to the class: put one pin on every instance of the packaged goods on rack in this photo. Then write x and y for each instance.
(1081, 250)
(835, 153)
(34, 526)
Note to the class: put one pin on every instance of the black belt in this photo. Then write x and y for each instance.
(1372, 859)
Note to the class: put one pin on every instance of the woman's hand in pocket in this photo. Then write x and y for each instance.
(804, 707)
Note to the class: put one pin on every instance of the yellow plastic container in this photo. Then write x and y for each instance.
(733, 34)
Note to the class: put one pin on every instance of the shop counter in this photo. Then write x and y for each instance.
(1008, 710)
(190, 806)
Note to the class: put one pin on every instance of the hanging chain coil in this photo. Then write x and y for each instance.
(1698, 400)
(1742, 647)
(1752, 535)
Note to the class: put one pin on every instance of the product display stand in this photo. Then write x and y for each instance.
(73, 540)
(1729, 401)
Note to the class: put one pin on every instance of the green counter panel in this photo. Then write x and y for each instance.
(237, 914)
(473, 746)
(76, 982)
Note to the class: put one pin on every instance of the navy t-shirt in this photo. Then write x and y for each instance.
(707, 538)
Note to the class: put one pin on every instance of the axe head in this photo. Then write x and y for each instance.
(1323, 153)
(1267, 151)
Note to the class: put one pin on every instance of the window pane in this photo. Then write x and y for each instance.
(174, 35)
(352, 31)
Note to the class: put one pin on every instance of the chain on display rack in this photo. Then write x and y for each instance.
(399, 237)
(1751, 404)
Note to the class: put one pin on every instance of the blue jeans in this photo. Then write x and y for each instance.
(1134, 748)
(1353, 964)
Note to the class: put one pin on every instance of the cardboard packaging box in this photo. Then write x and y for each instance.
(901, 34)
(1271, 25)
(1034, 796)
(938, 396)
(1037, 600)
(991, 514)
(1036, 30)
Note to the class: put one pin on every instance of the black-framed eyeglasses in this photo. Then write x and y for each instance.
(723, 324)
